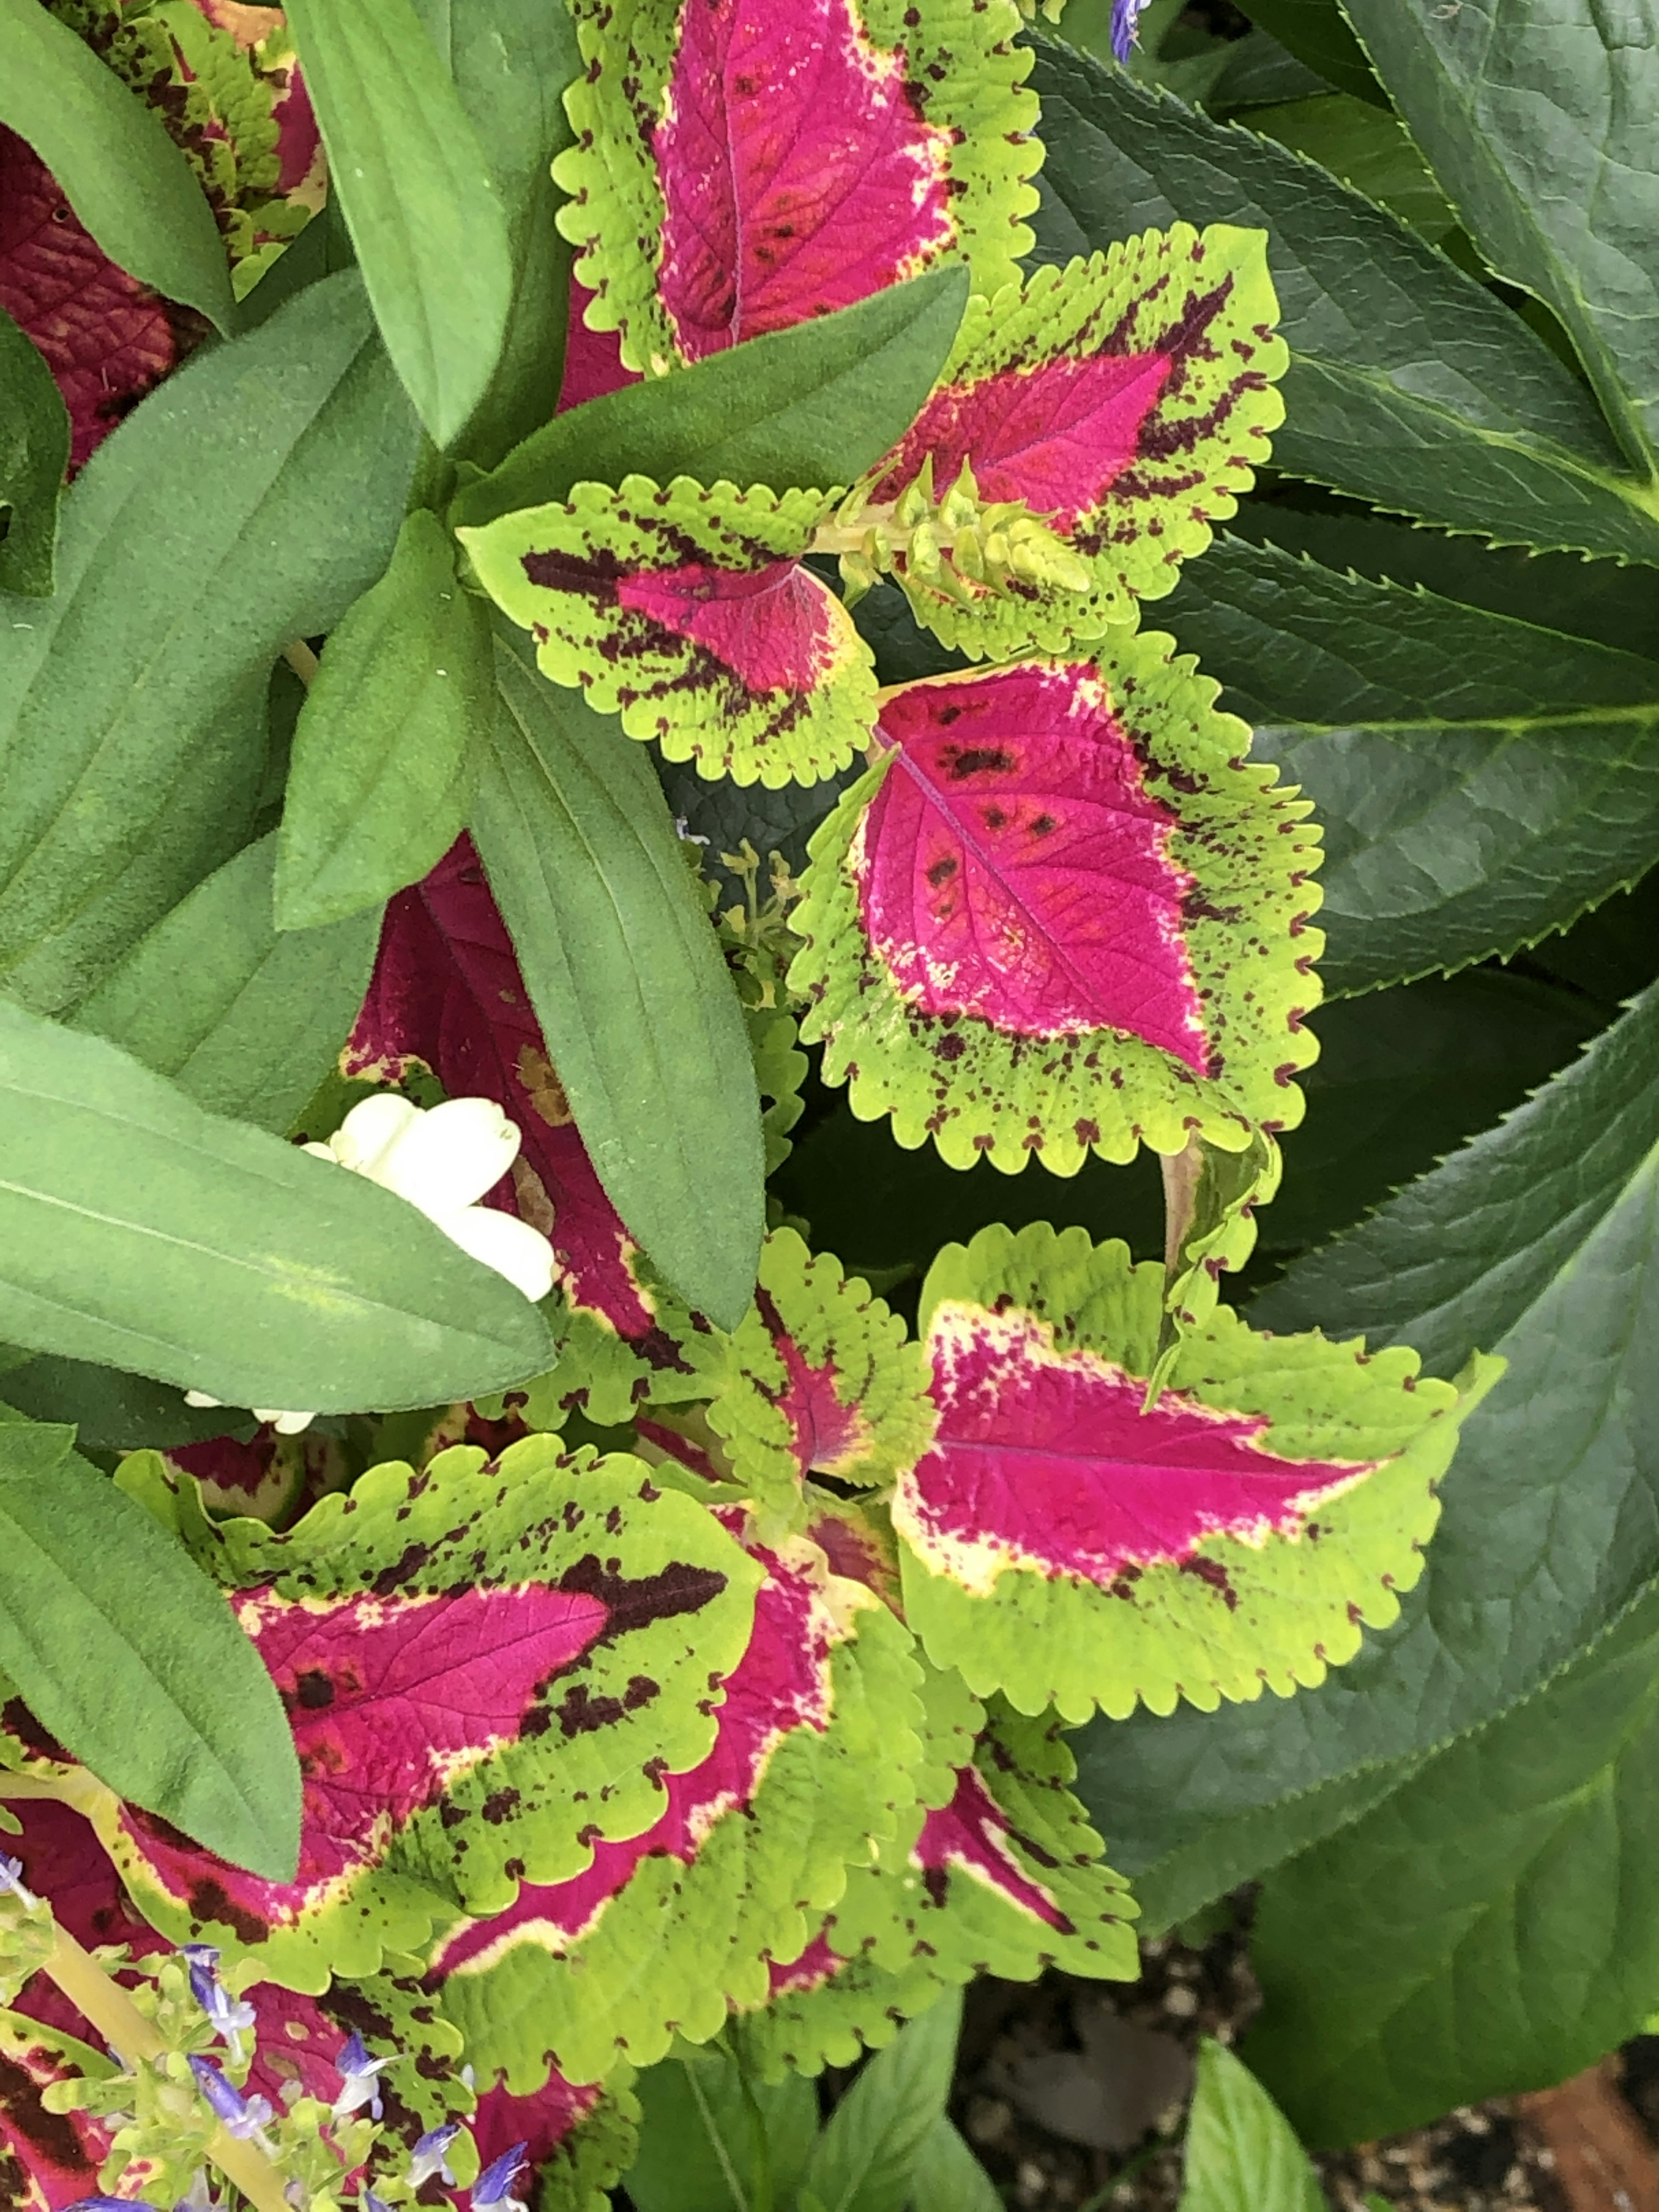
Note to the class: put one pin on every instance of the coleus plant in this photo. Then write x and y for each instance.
(502, 1682)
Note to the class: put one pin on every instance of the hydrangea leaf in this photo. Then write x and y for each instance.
(48, 2161)
(686, 611)
(486, 1665)
(1067, 1545)
(448, 994)
(1128, 399)
(813, 1764)
(1216, 1238)
(105, 336)
(1005, 1877)
(1063, 913)
(744, 165)
(818, 1378)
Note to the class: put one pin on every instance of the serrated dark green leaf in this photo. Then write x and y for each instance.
(1366, 148)
(138, 1231)
(1409, 383)
(110, 1410)
(1318, 33)
(125, 1651)
(622, 968)
(809, 407)
(1241, 2155)
(1481, 781)
(512, 61)
(387, 741)
(245, 1019)
(424, 209)
(118, 169)
(867, 2157)
(248, 501)
(711, 2140)
(34, 447)
(1540, 1242)
(1538, 116)
(1492, 1927)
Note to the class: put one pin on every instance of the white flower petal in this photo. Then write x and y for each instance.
(447, 1158)
(370, 1130)
(201, 1398)
(286, 1424)
(508, 1245)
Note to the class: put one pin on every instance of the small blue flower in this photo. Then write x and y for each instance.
(429, 2157)
(1126, 14)
(111, 2204)
(493, 2186)
(228, 2020)
(359, 2072)
(11, 1881)
(243, 2116)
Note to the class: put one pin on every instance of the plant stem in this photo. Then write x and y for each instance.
(126, 2030)
(301, 660)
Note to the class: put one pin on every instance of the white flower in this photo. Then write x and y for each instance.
(441, 1159)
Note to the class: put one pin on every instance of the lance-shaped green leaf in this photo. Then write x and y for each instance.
(1409, 382)
(813, 1764)
(1491, 1927)
(34, 446)
(687, 611)
(387, 741)
(866, 2153)
(423, 205)
(1318, 33)
(712, 2137)
(245, 1019)
(999, 1872)
(126, 1654)
(1537, 1241)
(1063, 913)
(742, 167)
(488, 1673)
(626, 978)
(120, 171)
(809, 405)
(1241, 2155)
(1068, 1543)
(818, 1378)
(1127, 400)
(262, 488)
(1481, 780)
(1536, 118)
(138, 1231)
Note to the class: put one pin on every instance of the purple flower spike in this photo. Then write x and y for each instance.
(493, 2186)
(111, 2204)
(229, 2020)
(1126, 14)
(243, 2116)
(359, 2073)
(428, 2156)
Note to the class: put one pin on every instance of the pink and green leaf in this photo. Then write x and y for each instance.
(1217, 1239)
(1064, 913)
(1069, 1545)
(741, 165)
(812, 1766)
(818, 1378)
(488, 1667)
(687, 612)
(1128, 399)
(48, 2161)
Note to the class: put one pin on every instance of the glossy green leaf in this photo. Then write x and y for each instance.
(125, 1651)
(1493, 1927)
(712, 2140)
(1409, 383)
(248, 501)
(1538, 116)
(110, 1411)
(805, 408)
(948, 2178)
(34, 447)
(1318, 33)
(387, 740)
(625, 975)
(245, 1019)
(511, 61)
(138, 1231)
(1480, 781)
(120, 171)
(866, 2158)
(1366, 148)
(1539, 1241)
(1242, 2156)
(424, 209)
